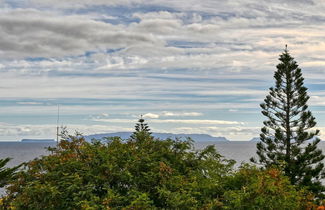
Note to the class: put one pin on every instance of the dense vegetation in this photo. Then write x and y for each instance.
(146, 173)
(287, 130)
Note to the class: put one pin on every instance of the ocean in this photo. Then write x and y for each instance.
(240, 151)
(20, 152)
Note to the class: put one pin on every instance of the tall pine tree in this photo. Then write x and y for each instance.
(142, 131)
(286, 138)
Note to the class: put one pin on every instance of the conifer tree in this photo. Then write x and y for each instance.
(142, 131)
(6, 173)
(287, 140)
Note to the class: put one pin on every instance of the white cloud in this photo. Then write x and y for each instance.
(181, 114)
(29, 103)
(159, 26)
(100, 116)
(203, 122)
(176, 121)
(151, 116)
(17, 132)
(128, 121)
(172, 114)
(317, 100)
(160, 15)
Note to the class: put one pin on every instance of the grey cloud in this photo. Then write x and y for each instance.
(19, 131)
(36, 34)
(159, 26)
(26, 130)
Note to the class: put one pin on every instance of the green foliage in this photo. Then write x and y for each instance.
(144, 174)
(142, 131)
(288, 128)
(252, 188)
(6, 174)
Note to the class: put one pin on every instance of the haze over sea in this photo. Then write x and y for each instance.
(240, 151)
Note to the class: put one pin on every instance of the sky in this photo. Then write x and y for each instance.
(187, 66)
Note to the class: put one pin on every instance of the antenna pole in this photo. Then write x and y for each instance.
(57, 125)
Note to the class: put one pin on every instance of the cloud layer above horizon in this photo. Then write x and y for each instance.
(186, 66)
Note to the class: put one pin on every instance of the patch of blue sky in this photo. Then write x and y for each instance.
(120, 14)
(183, 79)
(235, 115)
(36, 59)
(185, 44)
(16, 3)
(119, 20)
(13, 118)
(227, 43)
(252, 82)
(315, 87)
(111, 51)
(86, 55)
(21, 102)
(74, 118)
(4, 102)
(61, 101)
(65, 118)
(71, 73)
(103, 102)
(89, 53)
(87, 72)
(193, 97)
(316, 107)
(206, 15)
(242, 46)
(222, 15)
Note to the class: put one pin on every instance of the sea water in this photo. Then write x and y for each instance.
(240, 151)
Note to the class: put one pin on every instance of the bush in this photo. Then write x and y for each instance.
(252, 188)
(146, 173)
(117, 173)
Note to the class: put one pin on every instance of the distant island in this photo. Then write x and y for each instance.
(38, 140)
(126, 135)
(255, 139)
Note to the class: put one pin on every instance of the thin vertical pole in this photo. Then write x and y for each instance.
(57, 126)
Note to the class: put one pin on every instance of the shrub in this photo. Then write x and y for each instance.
(116, 173)
(253, 188)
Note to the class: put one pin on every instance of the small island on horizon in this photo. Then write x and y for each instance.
(37, 140)
(126, 135)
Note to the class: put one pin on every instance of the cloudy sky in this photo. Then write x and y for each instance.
(188, 66)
